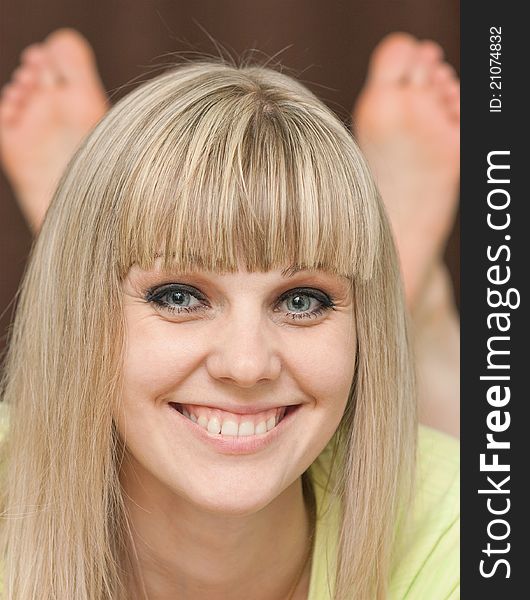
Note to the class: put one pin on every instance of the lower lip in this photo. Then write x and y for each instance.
(226, 444)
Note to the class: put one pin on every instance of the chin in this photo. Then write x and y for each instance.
(234, 498)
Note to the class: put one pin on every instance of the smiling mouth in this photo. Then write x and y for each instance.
(220, 422)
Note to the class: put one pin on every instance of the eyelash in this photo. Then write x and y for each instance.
(156, 296)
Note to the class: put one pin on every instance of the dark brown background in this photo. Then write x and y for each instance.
(326, 42)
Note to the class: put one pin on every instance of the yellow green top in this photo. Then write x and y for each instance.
(429, 564)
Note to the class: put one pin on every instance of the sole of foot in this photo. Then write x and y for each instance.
(53, 100)
(407, 122)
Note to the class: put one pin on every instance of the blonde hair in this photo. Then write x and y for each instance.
(196, 167)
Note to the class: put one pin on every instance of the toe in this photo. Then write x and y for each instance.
(431, 51)
(10, 102)
(13, 93)
(392, 58)
(425, 61)
(443, 74)
(25, 76)
(32, 60)
(31, 53)
(48, 77)
(35, 60)
(8, 113)
(448, 88)
(21, 87)
(72, 55)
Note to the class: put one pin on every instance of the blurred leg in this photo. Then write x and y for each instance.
(53, 100)
(407, 122)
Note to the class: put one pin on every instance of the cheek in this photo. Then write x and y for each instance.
(324, 365)
(156, 359)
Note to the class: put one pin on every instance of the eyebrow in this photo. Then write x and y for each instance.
(292, 270)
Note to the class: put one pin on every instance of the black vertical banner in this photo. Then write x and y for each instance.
(495, 325)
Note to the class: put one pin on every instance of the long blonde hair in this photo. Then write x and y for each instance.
(194, 166)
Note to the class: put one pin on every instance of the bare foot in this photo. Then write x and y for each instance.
(53, 100)
(436, 337)
(407, 122)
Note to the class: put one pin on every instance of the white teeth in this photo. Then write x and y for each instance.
(229, 427)
(214, 426)
(246, 428)
(261, 427)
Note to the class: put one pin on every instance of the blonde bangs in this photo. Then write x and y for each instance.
(246, 175)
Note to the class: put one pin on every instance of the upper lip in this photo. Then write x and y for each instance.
(246, 409)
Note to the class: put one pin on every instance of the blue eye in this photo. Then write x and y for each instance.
(177, 298)
(300, 303)
(305, 303)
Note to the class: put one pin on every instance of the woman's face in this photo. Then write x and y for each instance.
(234, 383)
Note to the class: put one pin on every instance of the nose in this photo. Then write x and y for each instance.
(244, 352)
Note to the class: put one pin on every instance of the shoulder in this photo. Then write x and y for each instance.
(427, 563)
(438, 477)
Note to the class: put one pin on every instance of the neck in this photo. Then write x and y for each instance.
(184, 552)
